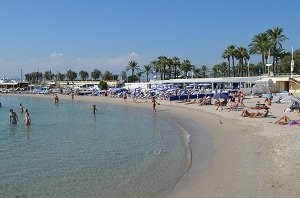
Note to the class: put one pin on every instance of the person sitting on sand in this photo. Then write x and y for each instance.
(221, 104)
(231, 106)
(206, 101)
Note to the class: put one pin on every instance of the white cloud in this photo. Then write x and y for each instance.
(58, 62)
(56, 55)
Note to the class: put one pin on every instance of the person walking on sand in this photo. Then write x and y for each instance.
(27, 119)
(13, 117)
(94, 109)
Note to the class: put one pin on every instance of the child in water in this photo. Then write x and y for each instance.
(94, 109)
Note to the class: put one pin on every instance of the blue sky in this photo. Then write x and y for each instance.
(107, 34)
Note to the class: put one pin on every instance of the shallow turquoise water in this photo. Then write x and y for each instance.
(69, 152)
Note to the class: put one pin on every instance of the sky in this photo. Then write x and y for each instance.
(59, 35)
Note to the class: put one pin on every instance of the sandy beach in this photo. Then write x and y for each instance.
(251, 157)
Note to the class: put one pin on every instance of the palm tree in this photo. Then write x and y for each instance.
(176, 64)
(276, 38)
(186, 66)
(95, 74)
(227, 55)
(231, 53)
(132, 65)
(279, 54)
(242, 55)
(139, 74)
(170, 65)
(156, 67)
(163, 61)
(204, 70)
(220, 70)
(260, 44)
(83, 75)
(71, 75)
(147, 70)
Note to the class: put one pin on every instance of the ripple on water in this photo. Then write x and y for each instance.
(69, 152)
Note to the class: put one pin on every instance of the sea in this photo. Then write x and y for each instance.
(67, 151)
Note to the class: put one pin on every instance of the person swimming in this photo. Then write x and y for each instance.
(13, 117)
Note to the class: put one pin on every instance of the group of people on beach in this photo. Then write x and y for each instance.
(13, 117)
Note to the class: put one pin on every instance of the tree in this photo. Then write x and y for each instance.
(204, 70)
(48, 75)
(162, 62)
(147, 70)
(60, 76)
(186, 66)
(34, 77)
(83, 75)
(227, 55)
(260, 44)
(284, 65)
(71, 75)
(156, 67)
(139, 74)
(123, 75)
(107, 75)
(96, 74)
(103, 85)
(230, 51)
(220, 70)
(133, 66)
(276, 38)
(176, 64)
(197, 72)
(242, 56)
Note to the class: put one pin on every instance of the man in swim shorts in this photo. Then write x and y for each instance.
(13, 117)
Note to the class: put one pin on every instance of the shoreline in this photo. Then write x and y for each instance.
(250, 157)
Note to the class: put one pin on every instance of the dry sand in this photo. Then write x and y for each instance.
(252, 157)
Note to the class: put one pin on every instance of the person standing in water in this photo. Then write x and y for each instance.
(56, 99)
(13, 117)
(154, 102)
(21, 108)
(94, 109)
(72, 95)
(27, 119)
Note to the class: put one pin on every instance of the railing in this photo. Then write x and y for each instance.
(286, 75)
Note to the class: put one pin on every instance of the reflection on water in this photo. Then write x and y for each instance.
(27, 131)
(12, 131)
